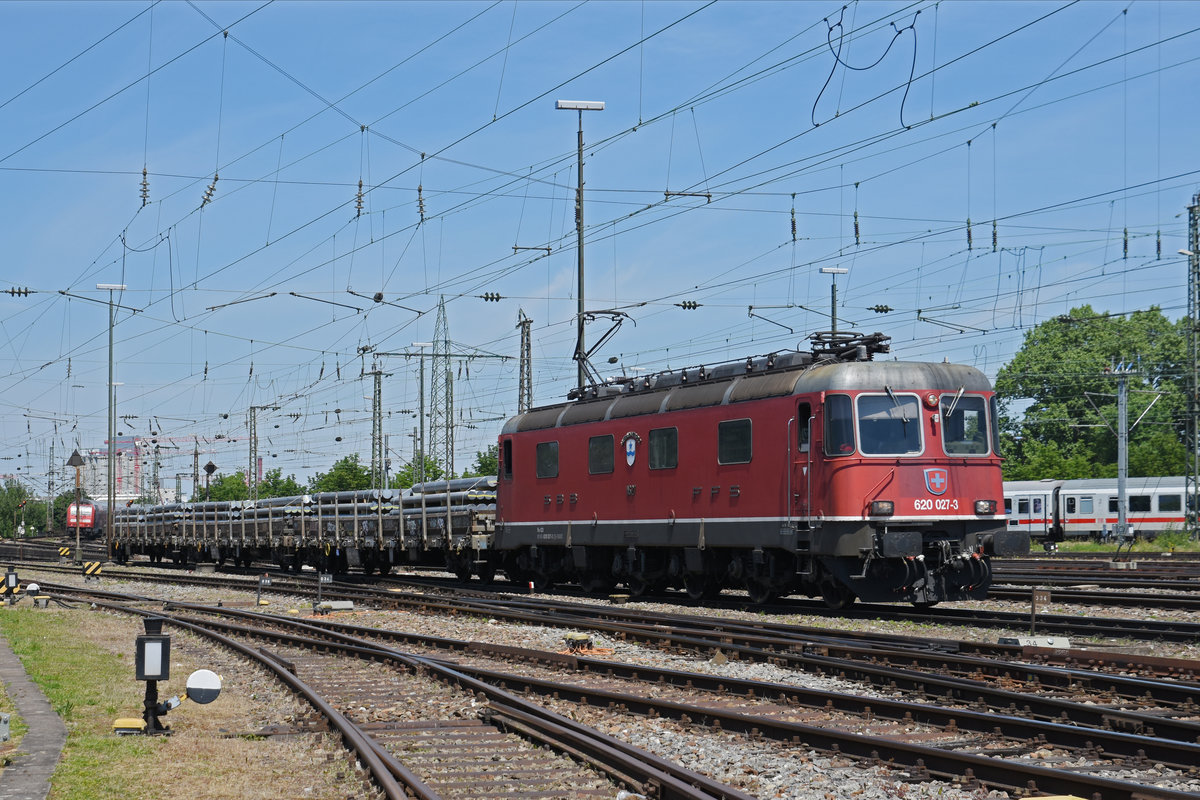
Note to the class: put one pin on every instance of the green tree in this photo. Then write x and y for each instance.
(225, 487)
(1058, 396)
(487, 463)
(274, 484)
(12, 496)
(409, 474)
(345, 475)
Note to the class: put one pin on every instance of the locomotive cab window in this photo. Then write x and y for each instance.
(664, 448)
(839, 425)
(889, 424)
(964, 426)
(803, 426)
(733, 441)
(547, 459)
(506, 460)
(600, 455)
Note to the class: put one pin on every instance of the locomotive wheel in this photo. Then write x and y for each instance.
(921, 605)
(700, 587)
(835, 594)
(487, 574)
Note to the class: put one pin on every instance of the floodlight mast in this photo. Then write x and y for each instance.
(580, 351)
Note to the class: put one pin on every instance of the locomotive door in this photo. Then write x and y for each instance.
(801, 468)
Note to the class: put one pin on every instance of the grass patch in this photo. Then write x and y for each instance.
(88, 687)
(1166, 542)
(83, 662)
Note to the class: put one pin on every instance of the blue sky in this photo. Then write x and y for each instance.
(1067, 124)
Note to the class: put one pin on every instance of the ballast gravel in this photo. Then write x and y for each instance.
(760, 767)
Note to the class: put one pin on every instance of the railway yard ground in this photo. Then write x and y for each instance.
(729, 701)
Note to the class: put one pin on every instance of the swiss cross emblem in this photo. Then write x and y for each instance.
(936, 480)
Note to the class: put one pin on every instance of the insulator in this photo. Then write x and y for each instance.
(358, 203)
(1158, 245)
(793, 225)
(1125, 245)
(969, 233)
(420, 202)
(995, 236)
(145, 188)
(208, 193)
(857, 240)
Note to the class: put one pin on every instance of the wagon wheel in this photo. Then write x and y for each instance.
(700, 587)
(760, 590)
(541, 582)
(596, 583)
(835, 594)
(487, 574)
(921, 605)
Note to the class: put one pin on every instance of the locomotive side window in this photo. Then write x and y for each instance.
(803, 422)
(994, 408)
(506, 460)
(964, 426)
(664, 448)
(547, 459)
(1037, 506)
(1170, 502)
(1112, 505)
(1085, 505)
(733, 442)
(839, 425)
(889, 424)
(1070, 505)
(1139, 502)
(1008, 505)
(600, 455)
(1022, 506)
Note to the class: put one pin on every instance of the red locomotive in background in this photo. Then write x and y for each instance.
(822, 473)
(92, 518)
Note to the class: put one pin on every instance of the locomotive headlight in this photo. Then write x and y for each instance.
(985, 507)
(882, 508)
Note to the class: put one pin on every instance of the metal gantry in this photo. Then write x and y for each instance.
(1192, 484)
(525, 385)
(441, 391)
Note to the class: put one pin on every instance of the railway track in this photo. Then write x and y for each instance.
(986, 745)
(423, 730)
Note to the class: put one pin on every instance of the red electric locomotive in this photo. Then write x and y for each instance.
(822, 473)
(92, 518)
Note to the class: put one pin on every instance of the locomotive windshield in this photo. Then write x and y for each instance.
(889, 424)
(964, 426)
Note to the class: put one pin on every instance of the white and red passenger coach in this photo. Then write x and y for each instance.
(823, 473)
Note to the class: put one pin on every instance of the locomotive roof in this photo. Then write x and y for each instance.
(904, 376)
